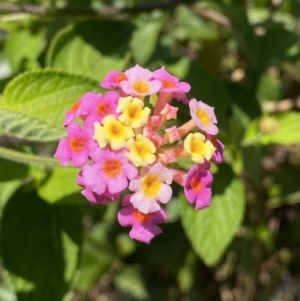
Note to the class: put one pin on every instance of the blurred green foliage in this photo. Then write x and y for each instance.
(242, 57)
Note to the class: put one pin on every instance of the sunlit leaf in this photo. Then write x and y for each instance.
(34, 104)
(145, 39)
(61, 184)
(91, 48)
(281, 128)
(210, 230)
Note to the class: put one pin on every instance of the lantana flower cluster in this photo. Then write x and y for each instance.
(127, 145)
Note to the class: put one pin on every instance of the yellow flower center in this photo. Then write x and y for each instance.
(134, 112)
(151, 185)
(141, 87)
(203, 116)
(142, 149)
(198, 147)
(115, 130)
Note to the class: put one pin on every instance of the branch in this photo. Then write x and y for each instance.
(24, 158)
(103, 11)
(212, 15)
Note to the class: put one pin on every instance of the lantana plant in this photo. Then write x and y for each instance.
(128, 146)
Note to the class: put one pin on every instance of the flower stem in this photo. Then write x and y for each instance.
(24, 158)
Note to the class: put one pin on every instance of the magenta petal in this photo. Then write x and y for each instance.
(144, 232)
(80, 158)
(204, 199)
(62, 152)
(218, 154)
(93, 197)
(91, 178)
(197, 186)
(117, 185)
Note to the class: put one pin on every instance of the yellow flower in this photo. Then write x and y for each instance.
(113, 132)
(141, 151)
(133, 112)
(198, 148)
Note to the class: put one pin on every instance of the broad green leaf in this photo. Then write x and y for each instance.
(10, 170)
(275, 43)
(6, 191)
(145, 39)
(91, 48)
(210, 230)
(97, 255)
(269, 87)
(191, 26)
(129, 281)
(282, 128)
(22, 48)
(61, 184)
(40, 246)
(34, 104)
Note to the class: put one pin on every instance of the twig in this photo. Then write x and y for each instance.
(212, 15)
(103, 11)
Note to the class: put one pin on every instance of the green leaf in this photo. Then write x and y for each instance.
(97, 255)
(129, 280)
(40, 246)
(275, 43)
(34, 104)
(145, 39)
(61, 184)
(210, 230)
(91, 47)
(22, 48)
(189, 25)
(283, 128)
(11, 170)
(6, 191)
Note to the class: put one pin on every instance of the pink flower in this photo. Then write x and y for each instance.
(93, 197)
(151, 188)
(75, 147)
(103, 107)
(144, 226)
(169, 82)
(153, 136)
(182, 97)
(110, 170)
(172, 134)
(218, 154)
(197, 186)
(169, 112)
(204, 116)
(113, 80)
(80, 108)
(140, 82)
